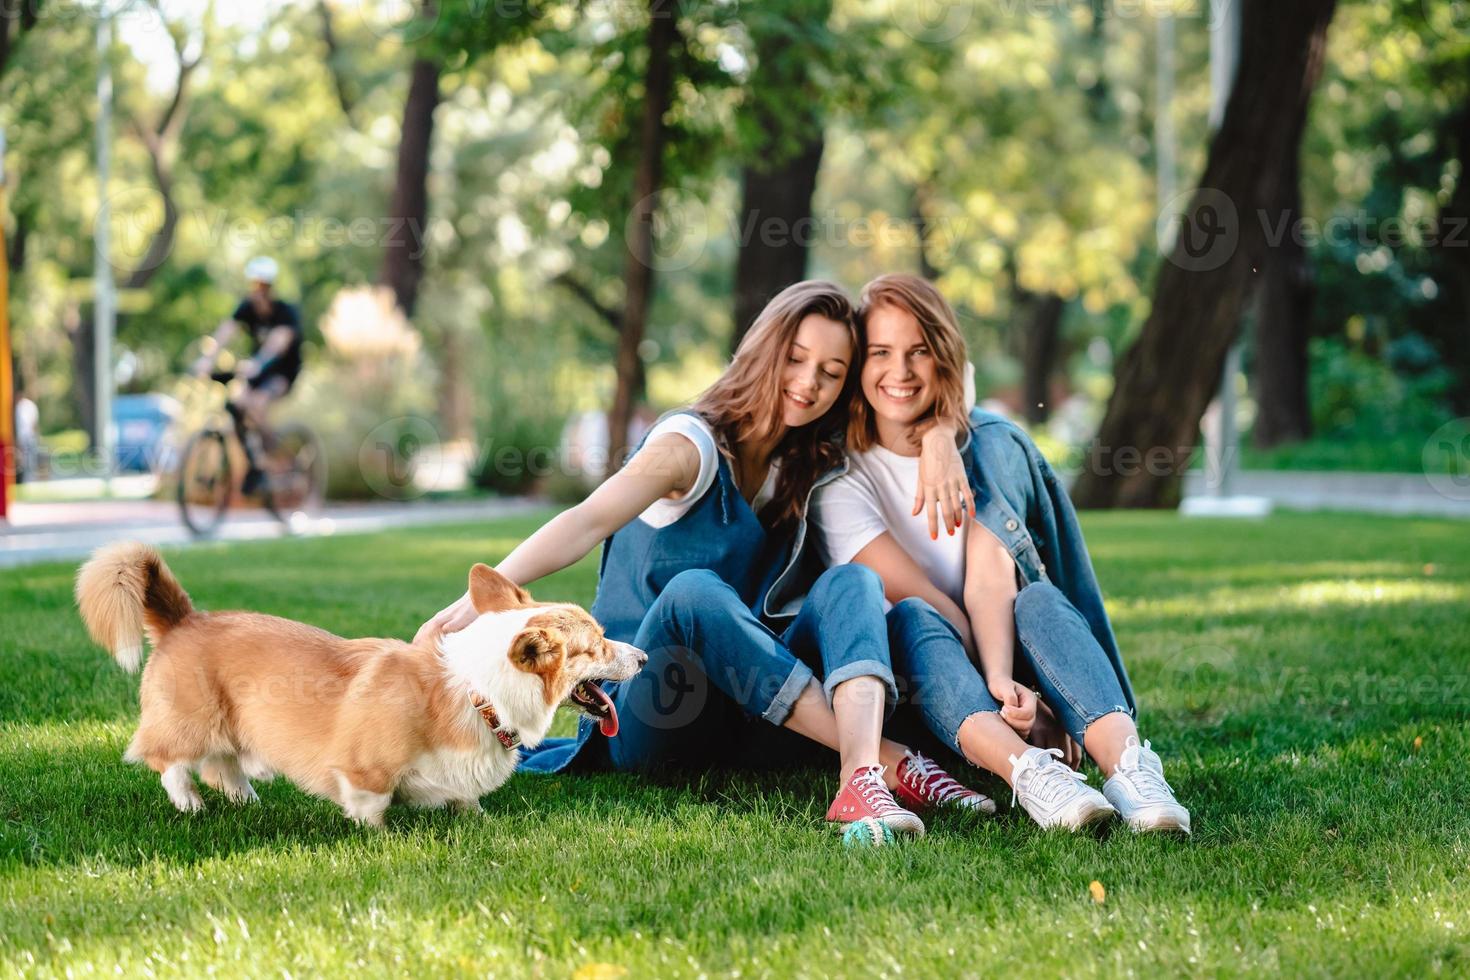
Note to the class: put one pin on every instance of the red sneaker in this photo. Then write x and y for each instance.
(922, 784)
(864, 795)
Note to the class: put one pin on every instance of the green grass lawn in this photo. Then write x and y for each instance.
(1307, 679)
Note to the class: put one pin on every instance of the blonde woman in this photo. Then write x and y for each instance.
(1013, 594)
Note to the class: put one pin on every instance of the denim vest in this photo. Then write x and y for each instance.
(1020, 500)
(771, 572)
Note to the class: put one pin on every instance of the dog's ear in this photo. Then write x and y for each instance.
(492, 592)
(540, 650)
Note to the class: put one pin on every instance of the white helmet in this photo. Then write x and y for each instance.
(262, 268)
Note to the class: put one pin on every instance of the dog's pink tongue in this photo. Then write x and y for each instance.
(608, 725)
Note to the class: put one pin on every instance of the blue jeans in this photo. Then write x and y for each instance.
(712, 664)
(1076, 678)
(1075, 675)
(930, 657)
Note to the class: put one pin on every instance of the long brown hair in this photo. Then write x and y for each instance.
(745, 403)
(941, 330)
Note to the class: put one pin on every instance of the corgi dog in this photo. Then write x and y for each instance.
(235, 696)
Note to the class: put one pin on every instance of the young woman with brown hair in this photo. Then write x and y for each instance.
(971, 597)
(706, 566)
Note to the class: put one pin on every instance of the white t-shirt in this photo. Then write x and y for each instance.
(876, 494)
(662, 513)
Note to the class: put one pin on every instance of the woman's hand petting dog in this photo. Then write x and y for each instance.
(1048, 733)
(1017, 704)
(451, 619)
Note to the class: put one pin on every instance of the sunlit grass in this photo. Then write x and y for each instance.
(1307, 678)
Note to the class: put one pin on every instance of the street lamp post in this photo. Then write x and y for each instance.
(7, 383)
(104, 306)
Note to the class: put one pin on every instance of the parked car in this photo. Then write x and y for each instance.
(141, 422)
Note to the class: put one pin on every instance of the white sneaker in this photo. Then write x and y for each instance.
(1138, 789)
(1055, 794)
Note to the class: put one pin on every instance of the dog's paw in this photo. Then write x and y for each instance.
(179, 784)
(256, 769)
(467, 806)
(241, 794)
(373, 820)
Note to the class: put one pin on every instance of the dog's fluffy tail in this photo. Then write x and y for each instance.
(124, 590)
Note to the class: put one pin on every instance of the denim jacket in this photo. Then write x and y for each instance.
(1019, 499)
(772, 573)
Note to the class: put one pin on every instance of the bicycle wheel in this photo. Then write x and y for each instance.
(205, 482)
(296, 474)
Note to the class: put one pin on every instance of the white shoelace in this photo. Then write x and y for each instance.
(875, 793)
(1151, 784)
(1048, 780)
(932, 782)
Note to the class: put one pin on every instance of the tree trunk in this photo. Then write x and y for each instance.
(408, 214)
(1042, 326)
(1451, 258)
(345, 98)
(455, 405)
(776, 230)
(1282, 328)
(919, 201)
(658, 87)
(1167, 378)
(780, 174)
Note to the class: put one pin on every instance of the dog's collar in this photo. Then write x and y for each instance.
(508, 738)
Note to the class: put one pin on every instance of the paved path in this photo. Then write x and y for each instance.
(1377, 493)
(72, 529)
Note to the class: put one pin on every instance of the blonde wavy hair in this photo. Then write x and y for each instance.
(941, 330)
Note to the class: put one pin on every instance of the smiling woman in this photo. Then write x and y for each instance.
(966, 601)
(707, 567)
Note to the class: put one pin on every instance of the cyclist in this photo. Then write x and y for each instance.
(275, 356)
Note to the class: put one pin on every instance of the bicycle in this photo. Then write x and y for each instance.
(291, 461)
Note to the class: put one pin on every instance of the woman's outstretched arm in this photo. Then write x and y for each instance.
(666, 467)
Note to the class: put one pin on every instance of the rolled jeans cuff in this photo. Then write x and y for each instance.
(785, 700)
(863, 668)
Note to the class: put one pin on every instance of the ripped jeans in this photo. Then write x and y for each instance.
(1073, 673)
